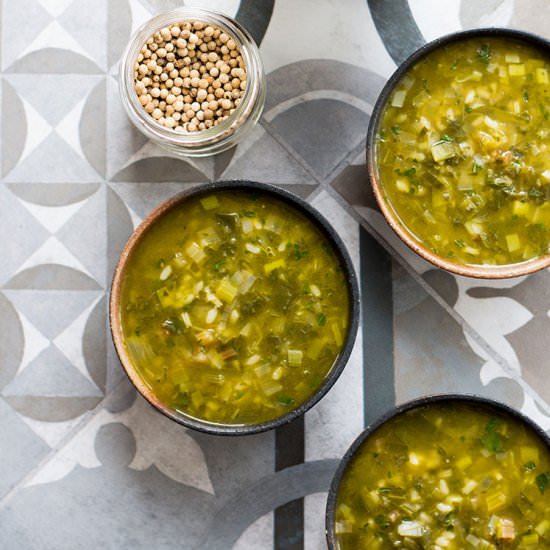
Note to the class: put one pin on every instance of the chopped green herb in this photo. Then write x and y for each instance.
(476, 168)
(285, 399)
(382, 521)
(491, 439)
(484, 54)
(396, 130)
(321, 320)
(542, 481)
(299, 252)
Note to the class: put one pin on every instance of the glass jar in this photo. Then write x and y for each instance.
(210, 140)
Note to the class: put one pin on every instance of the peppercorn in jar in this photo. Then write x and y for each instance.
(192, 81)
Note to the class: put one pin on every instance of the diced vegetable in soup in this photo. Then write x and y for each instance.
(234, 307)
(447, 476)
(463, 151)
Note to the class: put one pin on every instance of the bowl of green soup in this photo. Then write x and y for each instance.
(458, 152)
(444, 472)
(234, 307)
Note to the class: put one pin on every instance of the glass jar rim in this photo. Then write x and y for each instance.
(209, 136)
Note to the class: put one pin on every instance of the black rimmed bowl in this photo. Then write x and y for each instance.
(492, 271)
(343, 259)
(490, 444)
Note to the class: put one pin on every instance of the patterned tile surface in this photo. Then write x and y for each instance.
(84, 462)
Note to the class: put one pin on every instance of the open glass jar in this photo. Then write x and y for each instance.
(227, 132)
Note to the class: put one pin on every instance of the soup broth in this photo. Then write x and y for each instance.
(235, 307)
(463, 151)
(447, 476)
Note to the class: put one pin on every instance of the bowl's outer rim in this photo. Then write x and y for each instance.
(480, 272)
(371, 428)
(319, 221)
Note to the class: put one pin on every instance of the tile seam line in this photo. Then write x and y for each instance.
(88, 417)
(323, 183)
(492, 353)
(290, 150)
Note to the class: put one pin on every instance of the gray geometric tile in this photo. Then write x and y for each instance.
(354, 186)
(443, 283)
(21, 451)
(93, 127)
(125, 476)
(56, 96)
(90, 496)
(22, 21)
(431, 352)
(94, 344)
(51, 375)
(123, 140)
(119, 27)
(51, 409)
(261, 158)
(51, 277)
(531, 15)
(119, 228)
(26, 234)
(141, 198)
(475, 14)
(160, 169)
(83, 238)
(322, 120)
(53, 194)
(54, 61)
(53, 310)
(88, 28)
(43, 164)
(11, 341)
(329, 103)
(529, 340)
(14, 130)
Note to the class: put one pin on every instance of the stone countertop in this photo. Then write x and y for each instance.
(84, 462)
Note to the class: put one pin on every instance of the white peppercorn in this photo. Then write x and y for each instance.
(189, 76)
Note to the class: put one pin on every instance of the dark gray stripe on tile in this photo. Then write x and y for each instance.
(377, 307)
(264, 495)
(396, 27)
(288, 529)
(255, 16)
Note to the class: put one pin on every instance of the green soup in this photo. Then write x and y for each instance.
(463, 152)
(235, 307)
(447, 476)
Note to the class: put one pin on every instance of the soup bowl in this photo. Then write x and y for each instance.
(456, 153)
(463, 470)
(234, 307)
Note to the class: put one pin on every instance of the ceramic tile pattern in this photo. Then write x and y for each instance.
(84, 462)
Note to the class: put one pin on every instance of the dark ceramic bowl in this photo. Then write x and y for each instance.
(352, 288)
(479, 271)
(421, 402)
